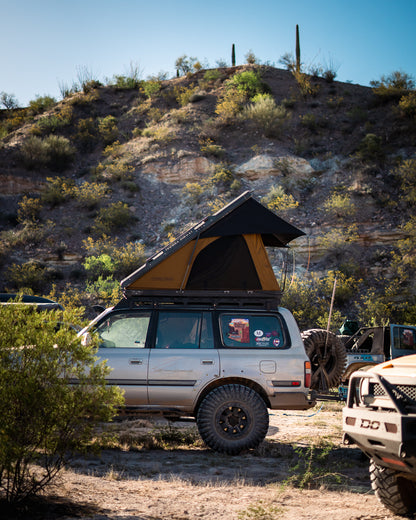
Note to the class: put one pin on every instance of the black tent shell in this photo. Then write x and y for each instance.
(223, 252)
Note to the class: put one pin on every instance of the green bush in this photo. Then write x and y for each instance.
(339, 205)
(112, 217)
(279, 201)
(248, 82)
(105, 257)
(264, 112)
(393, 85)
(106, 289)
(407, 105)
(40, 104)
(29, 209)
(86, 134)
(90, 194)
(30, 275)
(229, 105)
(57, 190)
(152, 88)
(53, 152)
(107, 128)
(371, 148)
(406, 173)
(44, 420)
(50, 124)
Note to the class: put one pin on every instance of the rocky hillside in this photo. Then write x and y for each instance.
(136, 163)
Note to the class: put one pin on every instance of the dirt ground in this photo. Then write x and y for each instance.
(301, 471)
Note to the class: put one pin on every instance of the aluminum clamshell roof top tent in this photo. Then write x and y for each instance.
(223, 253)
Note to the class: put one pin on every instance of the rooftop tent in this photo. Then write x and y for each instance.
(223, 252)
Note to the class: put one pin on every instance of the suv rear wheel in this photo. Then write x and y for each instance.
(233, 418)
(395, 492)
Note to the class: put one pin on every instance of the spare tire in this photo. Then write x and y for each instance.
(328, 358)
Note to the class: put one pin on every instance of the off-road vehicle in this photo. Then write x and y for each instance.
(219, 361)
(380, 417)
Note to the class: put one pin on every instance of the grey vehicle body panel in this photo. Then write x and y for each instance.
(175, 378)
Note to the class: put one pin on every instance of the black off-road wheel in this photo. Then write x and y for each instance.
(232, 418)
(328, 358)
(394, 491)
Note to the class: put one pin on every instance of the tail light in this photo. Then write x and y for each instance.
(308, 374)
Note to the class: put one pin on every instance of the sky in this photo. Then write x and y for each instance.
(49, 44)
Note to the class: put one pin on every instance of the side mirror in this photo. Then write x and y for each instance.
(86, 339)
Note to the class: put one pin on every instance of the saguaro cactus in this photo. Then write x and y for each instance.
(297, 49)
(233, 56)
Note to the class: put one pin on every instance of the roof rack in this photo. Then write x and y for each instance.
(265, 300)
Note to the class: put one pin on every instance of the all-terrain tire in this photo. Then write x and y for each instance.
(395, 492)
(232, 418)
(328, 358)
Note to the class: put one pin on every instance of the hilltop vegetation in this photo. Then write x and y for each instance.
(96, 182)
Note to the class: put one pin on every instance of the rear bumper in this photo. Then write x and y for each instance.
(292, 401)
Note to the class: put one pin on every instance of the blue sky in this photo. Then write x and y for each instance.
(46, 43)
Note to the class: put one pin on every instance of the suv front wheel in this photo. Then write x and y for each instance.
(233, 418)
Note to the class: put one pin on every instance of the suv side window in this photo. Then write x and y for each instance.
(177, 329)
(124, 330)
(251, 331)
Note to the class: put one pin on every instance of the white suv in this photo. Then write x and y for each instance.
(223, 364)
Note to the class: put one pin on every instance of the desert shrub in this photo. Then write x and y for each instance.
(90, 194)
(57, 190)
(339, 205)
(407, 105)
(28, 275)
(266, 114)
(248, 82)
(112, 217)
(151, 88)
(60, 153)
(338, 240)
(40, 104)
(29, 209)
(371, 148)
(394, 85)
(159, 133)
(107, 128)
(53, 152)
(208, 147)
(44, 420)
(124, 260)
(222, 176)
(115, 171)
(106, 289)
(185, 64)
(50, 124)
(406, 173)
(193, 191)
(184, 94)
(210, 77)
(96, 266)
(278, 200)
(30, 233)
(86, 134)
(229, 105)
(155, 114)
(305, 85)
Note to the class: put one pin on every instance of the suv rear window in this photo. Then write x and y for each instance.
(251, 331)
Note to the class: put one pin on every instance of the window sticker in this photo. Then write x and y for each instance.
(239, 330)
(276, 342)
(258, 333)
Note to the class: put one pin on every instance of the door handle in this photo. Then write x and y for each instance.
(207, 362)
(136, 361)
